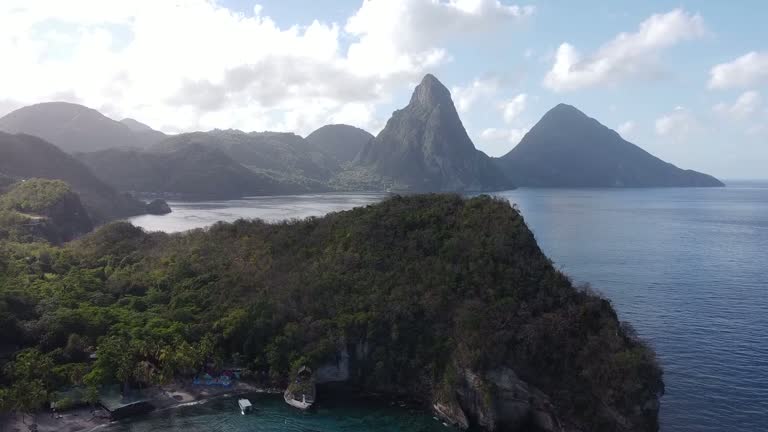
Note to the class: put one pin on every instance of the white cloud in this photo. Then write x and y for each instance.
(627, 56)
(746, 106)
(498, 141)
(396, 36)
(479, 89)
(513, 108)
(626, 129)
(747, 70)
(677, 125)
(194, 64)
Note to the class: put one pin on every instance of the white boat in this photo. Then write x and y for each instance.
(302, 404)
(245, 406)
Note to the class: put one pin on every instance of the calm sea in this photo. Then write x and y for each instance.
(687, 267)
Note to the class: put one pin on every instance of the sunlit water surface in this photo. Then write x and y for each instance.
(687, 267)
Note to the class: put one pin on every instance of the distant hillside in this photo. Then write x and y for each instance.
(568, 149)
(193, 171)
(281, 155)
(145, 134)
(74, 128)
(339, 141)
(39, 209)
(24, 156)
(424, 147)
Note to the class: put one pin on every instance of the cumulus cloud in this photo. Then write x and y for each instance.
(398, 35)
(677, 125)
(627, 128)
(499, 141)
(195, 64)
(479, 89)
(747, 70)
(627, 56)
(746, 106)
(513, 108)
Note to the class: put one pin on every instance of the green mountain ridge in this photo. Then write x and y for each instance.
(193, 171)
(75, 128)
(424, 147)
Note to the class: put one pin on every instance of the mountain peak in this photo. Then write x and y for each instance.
(424, 147)
(563, 110)
(431, 92)
(567, 148)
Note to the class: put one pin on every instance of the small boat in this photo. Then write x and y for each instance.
(302, 404)
(245, 406)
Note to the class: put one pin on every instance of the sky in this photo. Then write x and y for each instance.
(685, 80)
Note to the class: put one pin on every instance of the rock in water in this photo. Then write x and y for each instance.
(158, 207)
(424, 147)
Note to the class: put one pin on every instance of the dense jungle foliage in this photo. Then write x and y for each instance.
(422, 282)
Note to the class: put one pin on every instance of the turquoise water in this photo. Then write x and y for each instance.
(688, 268)
(273, 414)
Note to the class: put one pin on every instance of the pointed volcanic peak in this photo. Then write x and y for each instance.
(73, 128)
(424, 147)
(567, 148)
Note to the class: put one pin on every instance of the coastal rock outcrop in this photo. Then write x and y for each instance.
(158, 207)
(495, 400)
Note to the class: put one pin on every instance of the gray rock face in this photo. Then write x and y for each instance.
(497, 400)
(335, 371)
(424, 147)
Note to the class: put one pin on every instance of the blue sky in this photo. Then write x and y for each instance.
(649, 69)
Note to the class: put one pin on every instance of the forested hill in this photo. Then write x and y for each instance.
(427, 296)
(25, 156)
(42, 210)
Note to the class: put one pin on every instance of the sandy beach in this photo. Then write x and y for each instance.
(165, 397)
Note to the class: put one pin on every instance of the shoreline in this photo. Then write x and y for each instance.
(178, 394)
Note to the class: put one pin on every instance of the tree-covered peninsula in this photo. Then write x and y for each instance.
(446, 299)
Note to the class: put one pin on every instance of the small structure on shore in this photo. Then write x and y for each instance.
(245, 406)
(124, 405)
(301, 391)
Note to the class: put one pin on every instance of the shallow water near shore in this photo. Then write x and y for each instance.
(273, 414)
(686, 267)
